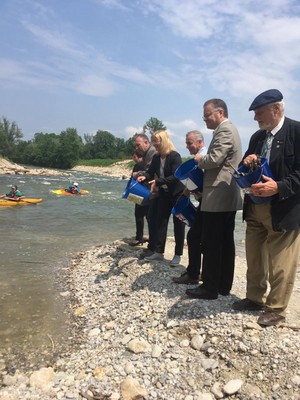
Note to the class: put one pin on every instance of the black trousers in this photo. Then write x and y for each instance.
(140, 213)
(151, 218)
(194, 238)
(218, 251)
(164, 205)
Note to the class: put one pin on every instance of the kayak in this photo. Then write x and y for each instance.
(6, 202)
(62, 191)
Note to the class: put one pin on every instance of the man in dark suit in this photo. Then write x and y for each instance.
(143, 145)
(273, 227)
(195, 144)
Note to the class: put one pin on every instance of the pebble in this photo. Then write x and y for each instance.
(139, 335)
(197, 342)
(233, 386)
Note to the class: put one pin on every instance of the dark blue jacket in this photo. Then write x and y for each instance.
(285, 166)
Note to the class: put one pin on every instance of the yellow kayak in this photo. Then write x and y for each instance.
(63, 191)
(12, 202)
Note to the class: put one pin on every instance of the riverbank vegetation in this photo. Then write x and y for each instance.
(68, 148)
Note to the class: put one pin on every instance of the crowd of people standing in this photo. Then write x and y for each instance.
(272, 224)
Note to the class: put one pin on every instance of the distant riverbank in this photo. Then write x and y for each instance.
(120, 170)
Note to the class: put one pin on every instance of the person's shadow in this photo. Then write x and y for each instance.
(157, 278)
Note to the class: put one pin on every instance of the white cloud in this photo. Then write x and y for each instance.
(132, 130)
(191, 19)
(96, 86)
(243, 46)
(111, 4)
(53, 39)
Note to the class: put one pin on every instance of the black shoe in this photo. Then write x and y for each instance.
(201, 293)
(185, 279)
(246, 305)
(145, 253)
(224, 292)
(136, 243)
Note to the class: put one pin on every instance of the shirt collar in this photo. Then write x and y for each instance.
(278, 127)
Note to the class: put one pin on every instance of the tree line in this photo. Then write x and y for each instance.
(64, 150)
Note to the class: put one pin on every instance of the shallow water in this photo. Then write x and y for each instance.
(36, 243)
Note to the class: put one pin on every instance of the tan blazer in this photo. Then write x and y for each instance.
(220, 191)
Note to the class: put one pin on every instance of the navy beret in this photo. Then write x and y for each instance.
(267, 97)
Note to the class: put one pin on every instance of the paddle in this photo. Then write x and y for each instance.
(16, 198)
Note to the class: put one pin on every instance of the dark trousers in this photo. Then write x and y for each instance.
(151, 218)
(140, 212)
(165, 203)
(194, 238)
(218, 251)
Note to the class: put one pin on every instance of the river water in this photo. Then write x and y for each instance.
(36, 243)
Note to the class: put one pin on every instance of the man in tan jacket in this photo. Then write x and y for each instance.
(221, 198)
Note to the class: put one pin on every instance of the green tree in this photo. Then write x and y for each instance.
(70, 148)
(104, 145)
(153, 124)
(44, 150)
(87, 151)
(10, 135)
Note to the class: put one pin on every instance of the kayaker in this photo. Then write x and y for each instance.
(14, 194)
(74, 189)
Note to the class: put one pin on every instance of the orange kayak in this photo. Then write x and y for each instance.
(63, 191)
(7, 202)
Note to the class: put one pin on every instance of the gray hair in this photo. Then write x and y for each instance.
(197, 135)
(143, 136)
(281, 105)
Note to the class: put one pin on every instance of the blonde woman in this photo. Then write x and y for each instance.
(160, 176)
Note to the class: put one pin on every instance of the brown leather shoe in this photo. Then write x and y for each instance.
(185, 279)
(269, 318)
(246, 305)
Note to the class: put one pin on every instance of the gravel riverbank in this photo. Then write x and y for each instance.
(140, 337)
(119, 169)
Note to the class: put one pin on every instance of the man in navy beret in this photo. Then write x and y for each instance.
(273, 225)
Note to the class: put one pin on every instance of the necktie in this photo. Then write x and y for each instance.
(265, 151)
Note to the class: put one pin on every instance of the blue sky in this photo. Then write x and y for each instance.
(113, 64)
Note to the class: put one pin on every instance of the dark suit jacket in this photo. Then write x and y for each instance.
(173, 161)
(285, 166)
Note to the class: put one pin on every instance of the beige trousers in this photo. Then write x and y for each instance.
(271, 257)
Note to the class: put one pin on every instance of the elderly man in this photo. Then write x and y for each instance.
(272, 235)
(195, 144)
(221, 198)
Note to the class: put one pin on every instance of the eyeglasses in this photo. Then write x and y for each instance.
(205, 116)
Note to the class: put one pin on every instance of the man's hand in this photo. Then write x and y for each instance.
(250, 159)
(197, 157)
(264, 189)
(186, 192)
(152, 185)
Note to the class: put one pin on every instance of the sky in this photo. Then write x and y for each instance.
(113, 64)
